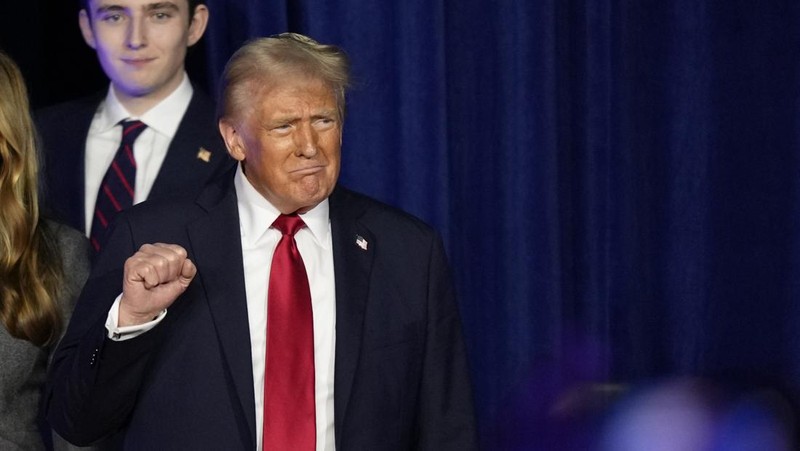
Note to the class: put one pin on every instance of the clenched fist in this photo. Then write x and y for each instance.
(154, 277)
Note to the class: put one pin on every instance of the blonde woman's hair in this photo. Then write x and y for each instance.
(262, 61)
(30, 267)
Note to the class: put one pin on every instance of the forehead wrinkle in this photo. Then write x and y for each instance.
(290, 114)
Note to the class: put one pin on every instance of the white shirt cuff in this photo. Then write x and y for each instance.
(117, 333)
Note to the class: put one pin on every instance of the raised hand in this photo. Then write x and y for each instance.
(154, 277)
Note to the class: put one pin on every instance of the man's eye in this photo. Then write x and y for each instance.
(324, 122)
(112, 18)
(282, 128)
(161, 16)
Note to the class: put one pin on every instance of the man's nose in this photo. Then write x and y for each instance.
(306, 141)
(137, 32)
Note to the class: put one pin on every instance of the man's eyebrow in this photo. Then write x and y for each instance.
(282, 119)
(108, 8)
(149, 7)
(162, 5)
(324, 114)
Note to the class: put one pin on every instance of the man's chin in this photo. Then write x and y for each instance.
(312, 200)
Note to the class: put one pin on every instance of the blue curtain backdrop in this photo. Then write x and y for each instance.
(616, 181)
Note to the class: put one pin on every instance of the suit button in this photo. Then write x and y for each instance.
(93, 359)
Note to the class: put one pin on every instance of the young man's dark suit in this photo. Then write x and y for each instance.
(64, 128)
(401, 378)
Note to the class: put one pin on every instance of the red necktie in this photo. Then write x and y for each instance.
(117, 189)
(289, 410)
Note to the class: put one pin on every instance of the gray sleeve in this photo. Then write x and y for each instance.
(74, 248)
(75, 255)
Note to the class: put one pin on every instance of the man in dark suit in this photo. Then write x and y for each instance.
(186, 356)
(141, 45)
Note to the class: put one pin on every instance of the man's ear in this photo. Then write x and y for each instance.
(197, 24)
(232, 138)
(86, 29)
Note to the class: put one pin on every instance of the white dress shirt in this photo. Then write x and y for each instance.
(259, 240)
(150, 147)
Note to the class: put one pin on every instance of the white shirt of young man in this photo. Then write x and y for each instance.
(150, 147)
(259, 240)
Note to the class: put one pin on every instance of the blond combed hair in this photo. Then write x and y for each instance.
(263, 61)
(30, 270)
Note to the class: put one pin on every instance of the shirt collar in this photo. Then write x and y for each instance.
(164, 118)
(256, 214)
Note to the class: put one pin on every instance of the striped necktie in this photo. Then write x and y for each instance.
(118, 186)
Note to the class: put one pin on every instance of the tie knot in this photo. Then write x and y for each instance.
(131, 130)
(289, 224)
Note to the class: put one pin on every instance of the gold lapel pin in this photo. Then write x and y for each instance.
(204, 154)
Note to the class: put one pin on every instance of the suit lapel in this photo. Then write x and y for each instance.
(194, 153)
(216, 248)
(352, 266)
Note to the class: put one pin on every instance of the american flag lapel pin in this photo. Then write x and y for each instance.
(204, 154)
(361, 242)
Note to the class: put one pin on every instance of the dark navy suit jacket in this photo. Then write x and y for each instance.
(400, 378)
(63, 130)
